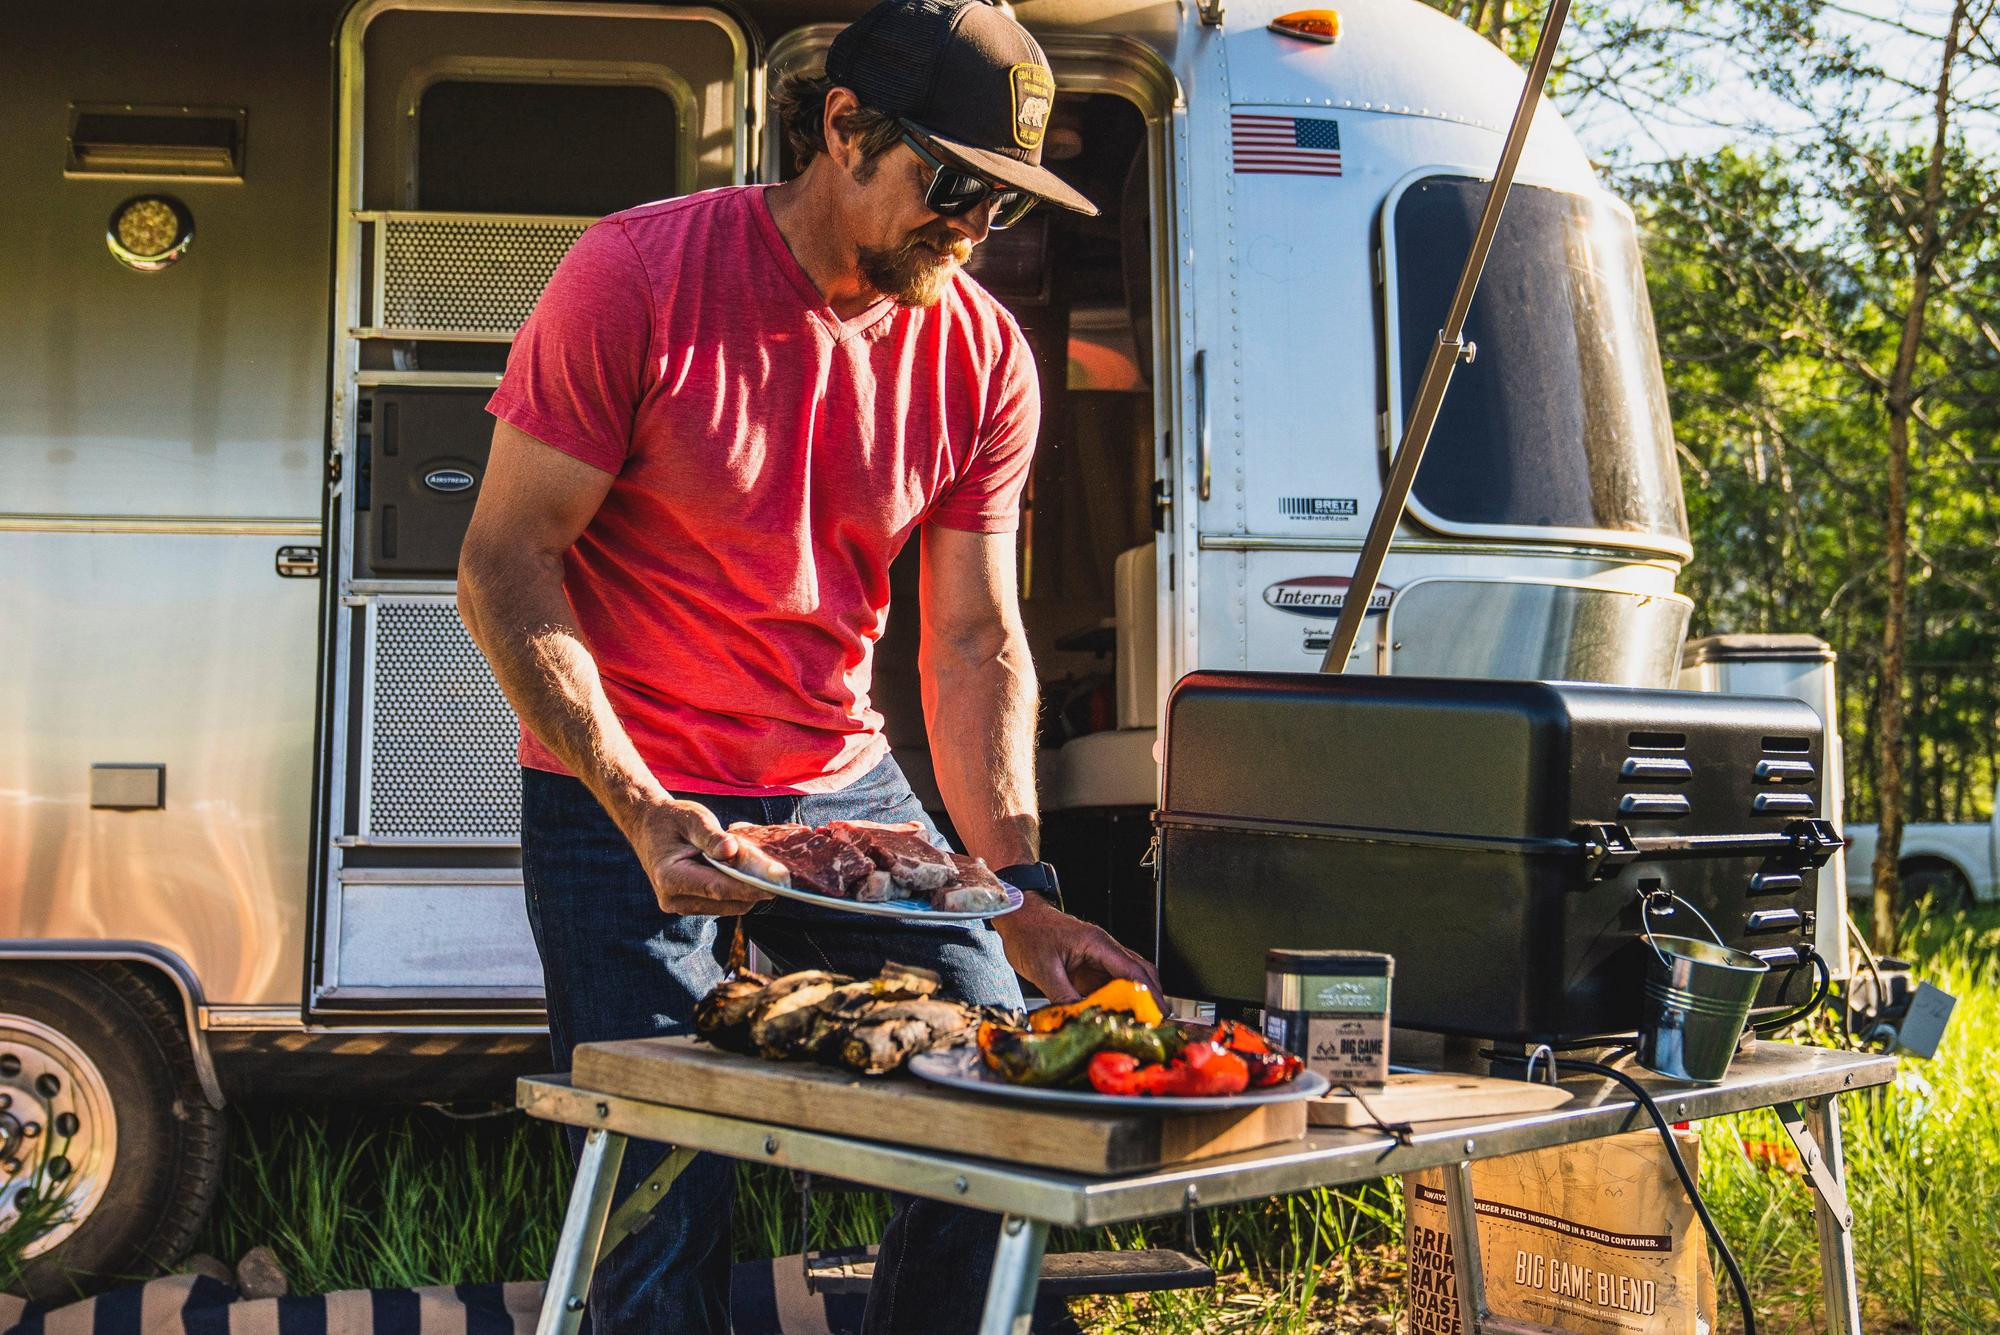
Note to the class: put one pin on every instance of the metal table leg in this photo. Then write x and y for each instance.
(582, 1231)
(1017, 1274)
(1467, 1266)
(1836, 1236)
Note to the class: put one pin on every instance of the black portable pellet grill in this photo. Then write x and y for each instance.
(1499, 838)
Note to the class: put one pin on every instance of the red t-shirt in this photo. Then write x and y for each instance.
(770, 461)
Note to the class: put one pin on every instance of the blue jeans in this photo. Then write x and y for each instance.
(616, 967)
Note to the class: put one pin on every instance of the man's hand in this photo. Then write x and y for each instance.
(670, 836)
(1066, 957)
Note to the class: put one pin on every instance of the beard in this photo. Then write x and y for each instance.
(917, 272)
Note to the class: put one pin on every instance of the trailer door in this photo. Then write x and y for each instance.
(474, 145)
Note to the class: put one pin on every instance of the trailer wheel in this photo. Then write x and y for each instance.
(1935, 888)
(103, 1115)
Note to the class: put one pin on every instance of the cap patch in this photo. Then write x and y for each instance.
(1034, 97)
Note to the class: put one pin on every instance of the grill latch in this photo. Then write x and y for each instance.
(1607, 850)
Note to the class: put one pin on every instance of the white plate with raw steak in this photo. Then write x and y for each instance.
(861, 866)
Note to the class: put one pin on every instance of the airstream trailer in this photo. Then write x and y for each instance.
(258, 800)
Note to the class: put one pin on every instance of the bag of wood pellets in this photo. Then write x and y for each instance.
(1588, 1238)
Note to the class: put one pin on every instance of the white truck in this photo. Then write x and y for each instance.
(1947, 865)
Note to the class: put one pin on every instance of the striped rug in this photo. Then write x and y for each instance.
(198, 1305)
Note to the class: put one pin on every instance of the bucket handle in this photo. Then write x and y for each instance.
(1652, 900)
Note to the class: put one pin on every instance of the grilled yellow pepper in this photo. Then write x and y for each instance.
(1120, 994)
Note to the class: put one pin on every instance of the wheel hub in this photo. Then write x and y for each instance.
(58, 1132)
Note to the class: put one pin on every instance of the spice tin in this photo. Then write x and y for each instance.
(1331, 1007)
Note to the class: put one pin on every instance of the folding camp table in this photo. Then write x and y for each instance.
(1802, 1083)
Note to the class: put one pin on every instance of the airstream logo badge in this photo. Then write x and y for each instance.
(449, 479)
(1321, 596)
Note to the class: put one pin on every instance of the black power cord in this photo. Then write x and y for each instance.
(1792, 1017)
(1687, 1179)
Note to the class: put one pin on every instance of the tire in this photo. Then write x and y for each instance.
(1934, 888)
(143, 1151)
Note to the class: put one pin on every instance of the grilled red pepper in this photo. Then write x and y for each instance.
(1203, 1070)
(1268, 1065)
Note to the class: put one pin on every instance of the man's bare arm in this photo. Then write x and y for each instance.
(979, 704)
(533, 503)
(979, 693)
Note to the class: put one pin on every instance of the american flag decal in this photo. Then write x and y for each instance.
(1284, 145)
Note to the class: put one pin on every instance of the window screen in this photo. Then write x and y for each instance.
(579, 149)
(1561, 421)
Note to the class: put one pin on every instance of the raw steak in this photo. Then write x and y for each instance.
(818, 860)
(978, 890)
(915, 864)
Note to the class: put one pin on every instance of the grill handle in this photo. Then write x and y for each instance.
(1609, 849)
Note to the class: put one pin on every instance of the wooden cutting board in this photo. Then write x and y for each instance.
(904, 1110)
(1432, 1096)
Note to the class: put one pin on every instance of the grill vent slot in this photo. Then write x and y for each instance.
(1783, 804)
(1797, 745)
(1785, 771)
(1655, 769)
(1663, 741)
(1660, 806)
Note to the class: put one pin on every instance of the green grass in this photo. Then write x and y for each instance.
(416, 1198)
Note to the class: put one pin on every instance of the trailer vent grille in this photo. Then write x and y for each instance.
(439, 761)
(468, 277)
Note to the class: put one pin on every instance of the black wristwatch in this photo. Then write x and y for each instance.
(1039, 877)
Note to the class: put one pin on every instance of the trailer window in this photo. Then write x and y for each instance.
(578, 149)
(1561, 421)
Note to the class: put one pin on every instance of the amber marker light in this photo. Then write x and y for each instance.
(150, 232)
(1314, 25)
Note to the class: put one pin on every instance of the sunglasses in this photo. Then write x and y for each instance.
(954, 191)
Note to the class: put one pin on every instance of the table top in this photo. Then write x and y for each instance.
(1766, 1074)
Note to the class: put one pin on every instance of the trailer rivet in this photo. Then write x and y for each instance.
(1468, 1147)
(1193, 1194)
(574, 1305)
(770, 1144)
(960, 1185)
(604, 1110)
(1845, 1080)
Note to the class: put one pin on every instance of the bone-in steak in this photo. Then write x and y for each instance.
(819, 860)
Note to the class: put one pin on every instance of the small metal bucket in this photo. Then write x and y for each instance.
(1698, 998)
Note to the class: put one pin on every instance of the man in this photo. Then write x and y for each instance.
(723, 420)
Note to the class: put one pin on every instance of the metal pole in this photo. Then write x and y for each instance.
(1017, 1276)
(1465, 1261)
(1445, 355)
(582, 1230)
(1836, 1240)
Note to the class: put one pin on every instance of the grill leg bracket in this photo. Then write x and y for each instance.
(1815, 1130)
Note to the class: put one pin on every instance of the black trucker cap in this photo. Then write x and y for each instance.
(965, 74)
